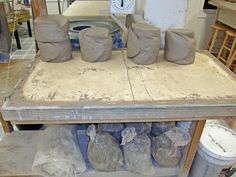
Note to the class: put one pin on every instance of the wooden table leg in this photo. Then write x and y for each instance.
(7, 127)
(188, 157)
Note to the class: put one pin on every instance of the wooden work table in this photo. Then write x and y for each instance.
(120, 91)
(226, 12)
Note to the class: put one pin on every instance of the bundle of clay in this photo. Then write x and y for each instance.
(95, 44)
(103, 152)
(58, 153)
(180, 46)
(143, 43)
(51, 34)
(137, 152)
(166, 147)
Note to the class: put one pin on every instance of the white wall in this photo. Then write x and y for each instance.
(199, 21)
(166, 14)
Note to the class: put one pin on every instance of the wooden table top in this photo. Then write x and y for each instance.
(118, 89)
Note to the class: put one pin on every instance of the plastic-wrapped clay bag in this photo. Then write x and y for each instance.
(95, 44)
(52, 35)
(165, 148)
(113, 129)
(143, 43)
(55, 52)
(104, 153)
(178, 136)
(162, 127)
(137, 152)
(164, 151)
(51, 28)
(180, 46)
(58, 153)
(141, 128)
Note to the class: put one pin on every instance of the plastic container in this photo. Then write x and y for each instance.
(216, 150)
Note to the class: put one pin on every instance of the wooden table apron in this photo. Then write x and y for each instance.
(20, 111)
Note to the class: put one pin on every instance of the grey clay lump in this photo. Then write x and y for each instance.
(180, 46)
(143, 43)
(95, 44)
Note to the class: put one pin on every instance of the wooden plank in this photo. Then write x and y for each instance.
(199, 126)
(5, 37)
(6, 125)
(152, 93)
(161, 81)
(39, 8)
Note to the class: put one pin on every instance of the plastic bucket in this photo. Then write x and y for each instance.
(216, 151)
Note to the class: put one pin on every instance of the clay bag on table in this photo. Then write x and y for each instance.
(55, 52)
(51, 28)
(180, 46)
(137, 152)
(103, 152)
(58, 153)
(143, 43)
(95, 44)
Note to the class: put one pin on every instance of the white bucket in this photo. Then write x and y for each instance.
(216, 150)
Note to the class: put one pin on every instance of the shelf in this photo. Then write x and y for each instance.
(17, 152)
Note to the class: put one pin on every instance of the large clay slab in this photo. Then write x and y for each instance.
(180, 46)
(51, 28)
(143, 43)
(55, 52)
(95, 44)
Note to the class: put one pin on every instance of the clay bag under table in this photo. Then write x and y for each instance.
(143, 43)
(180, 47)
(104, 153)
(55, 52)
(137, 152)
(51, 28)
(95, 44)
(58, 153)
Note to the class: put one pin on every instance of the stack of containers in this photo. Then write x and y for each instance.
(51, 34)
